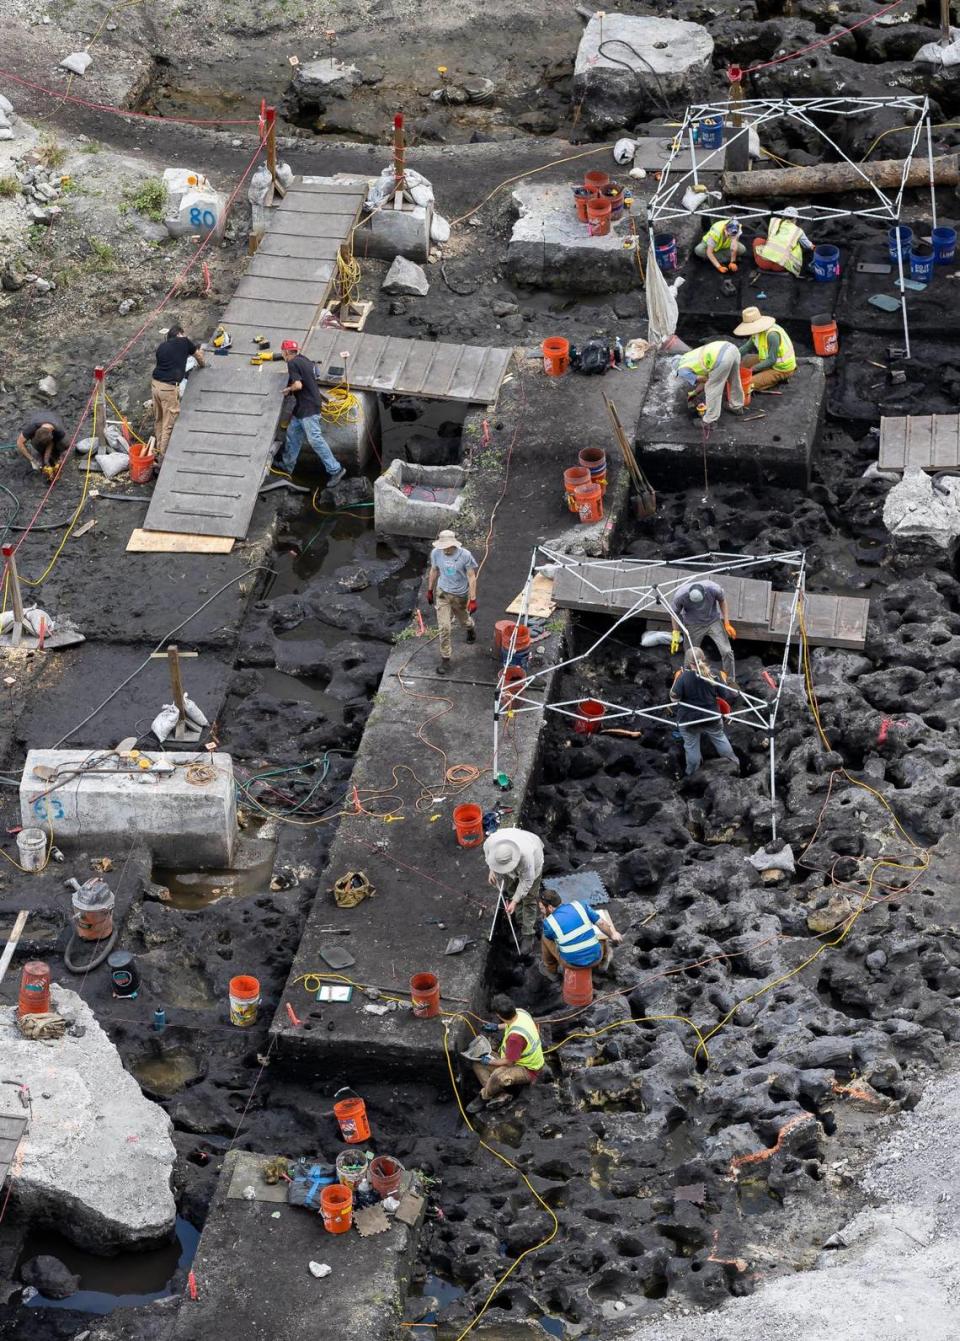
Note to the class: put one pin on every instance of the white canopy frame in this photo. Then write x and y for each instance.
(665, 204)
(758, 713)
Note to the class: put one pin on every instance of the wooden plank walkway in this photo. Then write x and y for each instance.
(410, 367)
(12, 1127)
(759, 612)
(920, 442)
(224, 436)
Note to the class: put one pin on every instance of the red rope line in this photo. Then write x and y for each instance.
(815, 46)
(122, 111)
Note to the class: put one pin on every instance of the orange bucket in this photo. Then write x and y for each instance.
(385, 1174)
(589, 716)
(589, 498)
(522, 641)
(577, 985)
(571, 478)
(425, 994)
(142, 461)
(594, 459)
(244, 1001)
(595, 181)
(336, 1204)
(468, 822)
(599, 211)
(511, 683)
(826, 340)
(498, 632)
(746, 383)
(580, 197)
(34, 988)
(352, 1117)
(556, 355)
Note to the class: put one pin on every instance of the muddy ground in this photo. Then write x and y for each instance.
(634, 1141)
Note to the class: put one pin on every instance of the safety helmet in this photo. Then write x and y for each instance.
(289, 347)
(791, 212)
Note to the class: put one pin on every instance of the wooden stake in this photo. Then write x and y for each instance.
(16, 633)
(100, 404)
(399, 161)
(176, 684)
(12, 942)
(944, 23)
(271, 119)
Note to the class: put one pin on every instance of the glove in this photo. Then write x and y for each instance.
(732, 266)
(429, 595)
(471, 607)
(675, 641)
(730, 630)
(723, 269)
(723, 707)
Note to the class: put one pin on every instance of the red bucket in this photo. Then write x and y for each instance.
(425, 995)
(589, 716)
(468, 822)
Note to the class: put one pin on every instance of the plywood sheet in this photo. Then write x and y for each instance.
(541, 604)
(178, 542)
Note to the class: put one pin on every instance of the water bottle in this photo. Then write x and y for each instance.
(159, 1020)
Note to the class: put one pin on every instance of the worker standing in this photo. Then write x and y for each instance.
(699, 715)
(42, 440)
(700, 607)
(721, 245)
(785, 242)
(304, 422)
(769, 351)
(452, 586)
(519, 1061)
(574, 934)
(706, 371)
(170, 370)
(515, 858)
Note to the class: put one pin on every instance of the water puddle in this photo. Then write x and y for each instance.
(163, 1075)
(124, 1281)
(445, 1292)
(303, 689)
(191, 891)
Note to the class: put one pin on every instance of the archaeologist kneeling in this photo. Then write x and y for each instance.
(574, 934)
(785, 242)
(519, 1062)
(768, 352)
(721, 245)
(705, 372)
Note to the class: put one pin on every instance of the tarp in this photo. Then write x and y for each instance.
(662, 313)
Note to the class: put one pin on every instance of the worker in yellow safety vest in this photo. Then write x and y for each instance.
(519, 1061)
(768, 351)
(721, 245)
(785, 242)
(705, 371)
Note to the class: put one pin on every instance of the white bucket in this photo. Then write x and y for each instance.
(32, 847)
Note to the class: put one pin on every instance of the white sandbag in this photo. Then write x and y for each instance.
(77, 62)
(285, 175)
(115, 439)
(164, 722)
(6, 105)
(439, 229)
(113, 463)
(932, 53)
(34, 619)
(6, 621)
(658, 639)
(624, 150)
(87, 445)
(193, 712)
(417, 186)
(189, 366)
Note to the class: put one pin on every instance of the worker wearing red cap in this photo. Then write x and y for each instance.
(305, 421)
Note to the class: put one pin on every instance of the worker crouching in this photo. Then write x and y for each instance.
(769, 350)
(721, 245)
(519, 1061)
(574, 934)
(705, 372)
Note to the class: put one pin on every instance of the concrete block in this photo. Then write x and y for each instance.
(399, 513)
(551, 249)
(390, 233)
(779, 447)
(187, 825)
(353, 443)
(97, 1158)
(628, 66)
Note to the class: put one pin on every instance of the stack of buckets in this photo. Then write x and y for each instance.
(586, 483)
(599, 202)
(921, 259)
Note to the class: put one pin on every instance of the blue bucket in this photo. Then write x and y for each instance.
(665, 250)
(944, 245)
(826, 263)
(921, 265)
(711, 132)
(518, 658)
(906, 241)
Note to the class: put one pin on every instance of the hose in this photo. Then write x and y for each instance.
(97, 959)
(620, 42)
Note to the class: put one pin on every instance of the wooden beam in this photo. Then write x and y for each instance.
(828, 178)
(12, 942)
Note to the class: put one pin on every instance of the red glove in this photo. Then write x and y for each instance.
(723, 707)
(471, 607)
(429, 595)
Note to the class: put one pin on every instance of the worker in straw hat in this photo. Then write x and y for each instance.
(452, 588)
(768, 351)
(515, 859)
(785, 242)
(705, 372)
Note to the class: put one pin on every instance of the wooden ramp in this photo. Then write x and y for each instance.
(920, 442)
(758, 611)
(224, 436)
(410, 367)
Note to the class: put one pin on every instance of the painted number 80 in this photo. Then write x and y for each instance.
(201, 218)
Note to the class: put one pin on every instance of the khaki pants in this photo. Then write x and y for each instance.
(495, 1079)
(718, 636)
(525, 914)
(552, 959)
(724, 373)
(768, 378)
(448, 608)
(166, 407)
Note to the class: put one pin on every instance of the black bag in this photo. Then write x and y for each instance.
(595, 357)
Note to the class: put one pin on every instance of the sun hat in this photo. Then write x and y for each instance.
(445, 539)
(753, 322)
(504, 857)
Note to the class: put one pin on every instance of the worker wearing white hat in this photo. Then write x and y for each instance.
(786, 241)
(452, 587)
(769, 350)
(515, 858)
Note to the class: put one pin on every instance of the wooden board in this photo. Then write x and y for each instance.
(12, 1127)
(392, 365)
(541, 604)
(920, 442)
(177, 542)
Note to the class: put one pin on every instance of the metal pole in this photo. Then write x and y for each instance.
(933, 189)
(496, 743)
(903, 291)
(693, 160)
(16, 633)
(773, 791)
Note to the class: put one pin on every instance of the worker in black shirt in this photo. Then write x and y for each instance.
(305, 420)
(170, 371)
(698, 714)
(43, 440)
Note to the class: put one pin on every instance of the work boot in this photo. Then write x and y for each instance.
(443, 666)
(477, 1105)
(471, 635)
(335, 479)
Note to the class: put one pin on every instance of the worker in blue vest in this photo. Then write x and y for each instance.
(574, 934)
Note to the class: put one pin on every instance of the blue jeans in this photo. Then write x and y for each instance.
(690, 735)
(297, 431)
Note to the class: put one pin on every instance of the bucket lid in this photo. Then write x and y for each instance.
(120, 959)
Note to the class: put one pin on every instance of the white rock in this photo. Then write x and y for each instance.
(43, 286)
(4, 120)
(48, 385)
(38, 215)
(6, 133)
(6, 106)
(319, 1269)
(914, 508)
(77, 62)
(97, 1157)
(406, 277)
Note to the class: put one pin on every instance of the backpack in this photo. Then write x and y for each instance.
(595, 357)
